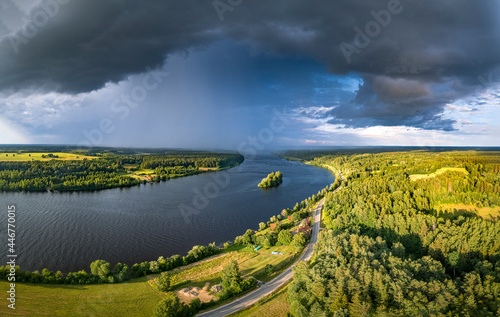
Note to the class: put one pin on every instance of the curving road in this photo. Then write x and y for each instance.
(281, 279)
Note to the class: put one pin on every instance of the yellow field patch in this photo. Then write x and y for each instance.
(11, 157)
(275, 306)
(489, 213)
(208, 168)
(439, 171)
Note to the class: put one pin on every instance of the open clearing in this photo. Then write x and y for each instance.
(275, 306)
(256, 266)
(489, 213)
(187, 294)
(117, 300)
(38, 156)
(439, 171)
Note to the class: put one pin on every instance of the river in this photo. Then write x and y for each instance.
(66, 231)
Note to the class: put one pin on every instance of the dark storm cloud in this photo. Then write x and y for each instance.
(413, 62)
(388, 102)
(414, 56)
(89, 43)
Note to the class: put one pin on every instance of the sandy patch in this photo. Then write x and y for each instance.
(187, 294)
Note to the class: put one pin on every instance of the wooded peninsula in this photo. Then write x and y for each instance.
(35, 169)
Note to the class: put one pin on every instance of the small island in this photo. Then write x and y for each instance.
(272, 180)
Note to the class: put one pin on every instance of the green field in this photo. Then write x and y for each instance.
(439, 171)
(252, 263)
(255, 266)
(203, 272)
(118, 300)
(274, 306)
(38, 156)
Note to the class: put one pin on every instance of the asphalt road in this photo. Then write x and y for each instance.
(271, 286)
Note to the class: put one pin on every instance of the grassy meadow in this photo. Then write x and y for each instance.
(275, 305)
(136, 296)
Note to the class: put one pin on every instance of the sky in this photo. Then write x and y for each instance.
(239, 74)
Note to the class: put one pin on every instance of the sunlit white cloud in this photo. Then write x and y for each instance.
(13, 133)
(475, 126)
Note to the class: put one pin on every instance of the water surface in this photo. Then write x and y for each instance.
(68, 230)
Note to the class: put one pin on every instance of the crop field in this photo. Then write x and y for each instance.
(38, 156)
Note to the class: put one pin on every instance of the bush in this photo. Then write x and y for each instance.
(163, 282)
(269, 269)
(195, 304)
(171, 306)
(248, 283)
(284, 237)
(100, 268)
(299, 240)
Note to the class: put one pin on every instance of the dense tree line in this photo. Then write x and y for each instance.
(184, 159)
(391, 251)
(105, 172)
(63, 175)
(271, 180)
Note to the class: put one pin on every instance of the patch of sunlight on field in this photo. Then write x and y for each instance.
(414, 177)
(256, 266)
(208, 271)
(7, 157)
(275, 306)
(488, 213)
(199, 273)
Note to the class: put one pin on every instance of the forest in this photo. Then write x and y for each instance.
(409, 234)
(106, 171)
(271, 180)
